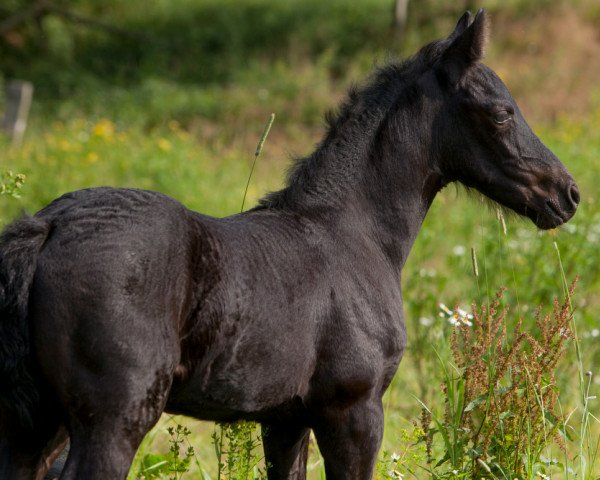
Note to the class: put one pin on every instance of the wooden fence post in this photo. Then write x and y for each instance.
(18, 101)
(401, 16)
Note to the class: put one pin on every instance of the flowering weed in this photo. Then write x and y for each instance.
(500, 398)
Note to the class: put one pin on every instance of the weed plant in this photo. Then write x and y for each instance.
(11, 183)
(238, 451)
(173, 464)
(500, 397)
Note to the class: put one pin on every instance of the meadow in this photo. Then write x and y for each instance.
(182, 113)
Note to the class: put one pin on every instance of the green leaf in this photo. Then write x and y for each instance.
(154, 465)
(475, 402)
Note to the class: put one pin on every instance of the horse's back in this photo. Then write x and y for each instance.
(115, 217)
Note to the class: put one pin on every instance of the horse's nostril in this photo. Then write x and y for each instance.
(574, 194)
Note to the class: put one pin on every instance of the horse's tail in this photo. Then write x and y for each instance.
(20, 245)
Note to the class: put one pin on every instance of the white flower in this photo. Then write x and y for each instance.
(456, 318)
(459, 250)
(424, 273)
(426, 322)
(563, 332)
(395, 474)
(445, 309)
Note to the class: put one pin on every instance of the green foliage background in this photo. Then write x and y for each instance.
(177, 102)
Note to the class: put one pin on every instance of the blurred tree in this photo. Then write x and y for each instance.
(21, 23)
(33, 11)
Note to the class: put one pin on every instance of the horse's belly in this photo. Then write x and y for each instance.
(227, 400)
(230, 386)
(203, 408)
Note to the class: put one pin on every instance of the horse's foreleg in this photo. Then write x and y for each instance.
(286, 450)
(349, 438)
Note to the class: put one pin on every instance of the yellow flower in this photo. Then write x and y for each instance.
(91, 157)
(64, 145)
(164, 144)
(104, 129)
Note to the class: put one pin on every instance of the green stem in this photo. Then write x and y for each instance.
(256, 154)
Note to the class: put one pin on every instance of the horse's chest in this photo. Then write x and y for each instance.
(268, 355)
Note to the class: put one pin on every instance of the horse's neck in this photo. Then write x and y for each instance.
(391, 185)
(398, 216)
(385, 197)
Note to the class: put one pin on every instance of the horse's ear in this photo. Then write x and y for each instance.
(461, 25)
(467, 45)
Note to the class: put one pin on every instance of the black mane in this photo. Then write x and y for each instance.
(362, 104)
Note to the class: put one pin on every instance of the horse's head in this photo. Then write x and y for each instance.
(484, 141)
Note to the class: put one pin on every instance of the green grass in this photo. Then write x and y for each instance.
(211, 178)
(183, 117)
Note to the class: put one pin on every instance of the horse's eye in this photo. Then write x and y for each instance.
(501, 118)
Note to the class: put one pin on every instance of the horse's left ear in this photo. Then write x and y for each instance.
(466, 47)
(462, 24)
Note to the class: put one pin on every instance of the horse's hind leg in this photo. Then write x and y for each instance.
(31, 461)
(112, 375)
(28, 452)
(107, 425)
(57, 464)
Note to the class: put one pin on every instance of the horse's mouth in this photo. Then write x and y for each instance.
(549, 216)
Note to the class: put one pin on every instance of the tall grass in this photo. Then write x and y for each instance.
(500, 397)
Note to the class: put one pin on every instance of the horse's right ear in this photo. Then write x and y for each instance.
(467, 46)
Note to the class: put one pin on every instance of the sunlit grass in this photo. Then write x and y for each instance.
(211, 178)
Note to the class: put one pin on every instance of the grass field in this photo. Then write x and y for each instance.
(188, 128)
